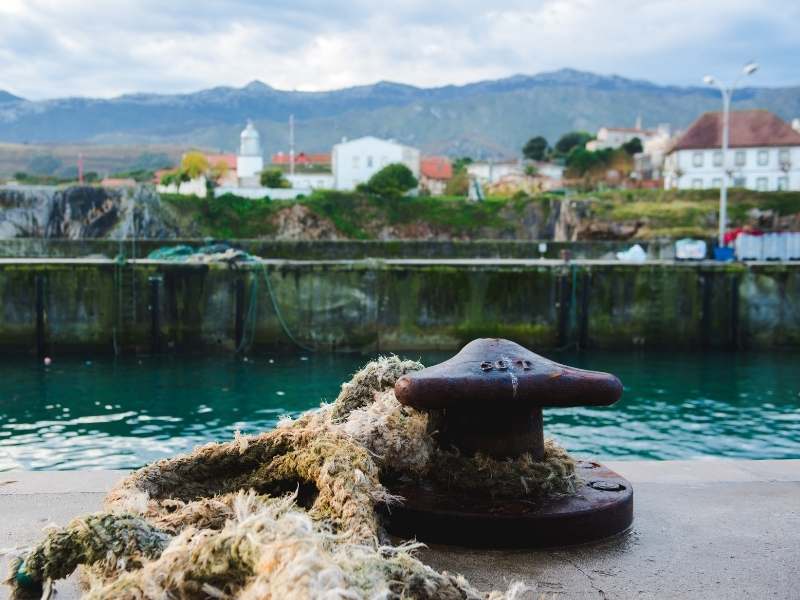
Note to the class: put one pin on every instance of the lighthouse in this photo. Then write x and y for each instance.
(250, 161)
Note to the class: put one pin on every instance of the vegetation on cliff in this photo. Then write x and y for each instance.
(621, 214)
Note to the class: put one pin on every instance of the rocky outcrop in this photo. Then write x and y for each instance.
(80, 212)
(574, 222)
(297, 222)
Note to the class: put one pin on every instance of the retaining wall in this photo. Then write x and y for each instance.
(51, 307)
(336, 250)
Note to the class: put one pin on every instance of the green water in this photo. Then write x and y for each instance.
(126, 412)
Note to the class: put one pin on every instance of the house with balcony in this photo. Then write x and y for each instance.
(763, 154)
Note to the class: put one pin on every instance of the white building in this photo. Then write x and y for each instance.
(355, 161)
(250, 161)
(614, 137)
(649, 164)
(312, 181)
(764, 154)
(489, 172)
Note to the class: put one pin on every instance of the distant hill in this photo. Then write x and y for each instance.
(487, 118)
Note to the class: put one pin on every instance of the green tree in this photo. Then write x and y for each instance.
(458, 184)
(461, 163)
(633, 146)
(392, 180)
(573, 139)
(273, 178)
(194, 164)
(174, 177)
(535, 148)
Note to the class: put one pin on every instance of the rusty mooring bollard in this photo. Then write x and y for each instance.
(492, 393)
(489, 398)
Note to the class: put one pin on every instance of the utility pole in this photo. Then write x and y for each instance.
(727, 94)
(291, 144)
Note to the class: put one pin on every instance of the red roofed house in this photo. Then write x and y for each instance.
(321, 159)
(763, 154)
(434, 173)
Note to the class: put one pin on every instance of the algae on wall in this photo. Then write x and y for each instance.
(383, 307)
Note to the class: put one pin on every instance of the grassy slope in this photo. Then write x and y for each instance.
(360, 216)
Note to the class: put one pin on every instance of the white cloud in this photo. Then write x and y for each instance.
(51, 48)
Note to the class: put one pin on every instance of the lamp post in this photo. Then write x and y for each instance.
(727, 93)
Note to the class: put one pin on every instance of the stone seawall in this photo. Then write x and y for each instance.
(55, 306)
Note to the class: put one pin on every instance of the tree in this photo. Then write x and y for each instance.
(461, 163)
(392, 180)
(273, 178)
(573, 139)
(174, 177)
(219, 170)
(633, 146)
(458, 185)
(535, 148)
(194, 164)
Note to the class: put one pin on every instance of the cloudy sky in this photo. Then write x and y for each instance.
(53, 48)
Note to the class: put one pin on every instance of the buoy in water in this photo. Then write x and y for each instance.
(47, 361)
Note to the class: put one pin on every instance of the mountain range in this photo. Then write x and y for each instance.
(487, 118)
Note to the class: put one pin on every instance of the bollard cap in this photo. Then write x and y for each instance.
(498, 374)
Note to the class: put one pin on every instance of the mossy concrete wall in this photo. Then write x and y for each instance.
(51, 307)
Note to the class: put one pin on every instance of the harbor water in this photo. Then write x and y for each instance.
(121, 413)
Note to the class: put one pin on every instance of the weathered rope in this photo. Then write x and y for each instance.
(289, 513)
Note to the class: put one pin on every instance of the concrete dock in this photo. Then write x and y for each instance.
(706, 529)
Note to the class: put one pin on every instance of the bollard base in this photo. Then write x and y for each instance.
(601, 507)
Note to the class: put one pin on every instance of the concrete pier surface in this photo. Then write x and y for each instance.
(706, 529)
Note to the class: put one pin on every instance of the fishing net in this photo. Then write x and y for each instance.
(290, 513)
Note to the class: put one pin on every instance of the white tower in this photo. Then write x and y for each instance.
(250, 161)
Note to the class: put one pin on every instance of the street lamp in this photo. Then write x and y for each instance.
(727, 93)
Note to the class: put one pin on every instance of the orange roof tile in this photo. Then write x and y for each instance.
(436, 167)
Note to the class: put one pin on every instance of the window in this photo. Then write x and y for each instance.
(739, 182)
(697, 159)
(783, 183)
(356, 162)
(369, 162)
(716, 182)
(783, 156)
(763, 158)
(717, 158)
(697, 184)
(761, 184)
(740, 158)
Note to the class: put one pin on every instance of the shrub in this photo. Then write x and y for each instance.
(273, 178)
(392, 180)
(536, 148)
